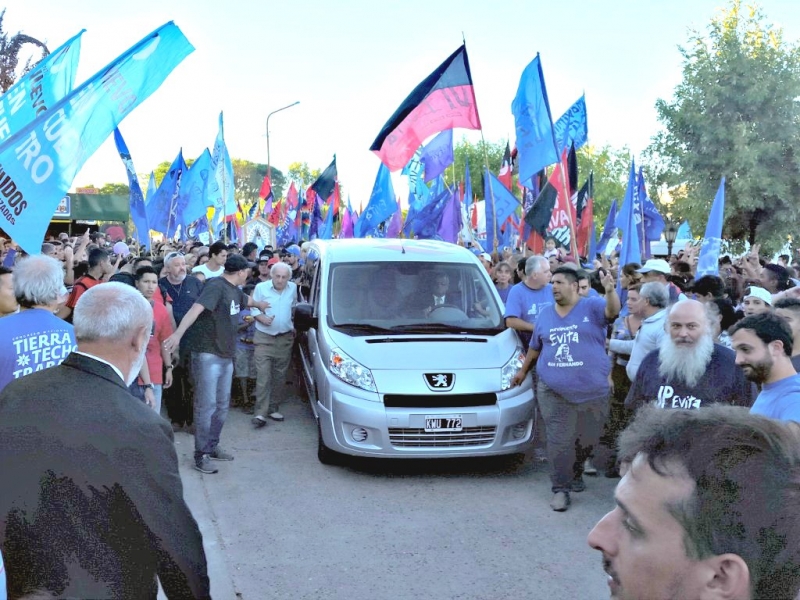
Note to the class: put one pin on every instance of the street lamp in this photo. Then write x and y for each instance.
(269, 166)
(670, 235)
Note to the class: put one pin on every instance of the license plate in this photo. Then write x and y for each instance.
(436, 423)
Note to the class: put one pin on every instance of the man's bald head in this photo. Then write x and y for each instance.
(687, 321)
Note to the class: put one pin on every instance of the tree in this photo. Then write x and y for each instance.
(116, 189)
(735, 114)
(302, 175)
(610, 168)
(10, 47)
(464, 151)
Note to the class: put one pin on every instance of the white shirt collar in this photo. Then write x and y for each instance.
(102, 360)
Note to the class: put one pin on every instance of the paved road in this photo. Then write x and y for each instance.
(278, 524)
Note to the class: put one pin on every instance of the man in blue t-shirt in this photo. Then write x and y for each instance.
(763, 345)
(34, 338)
(529, 297)
(568, 346)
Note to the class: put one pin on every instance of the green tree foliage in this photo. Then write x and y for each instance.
(10, 48)
(610, 168)
(302, 175)
(735, 114)
(464, 151)
(116, 189)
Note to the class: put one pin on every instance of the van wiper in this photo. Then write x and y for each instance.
(361, 328)
(444, 328)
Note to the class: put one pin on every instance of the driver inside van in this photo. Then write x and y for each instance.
(438, 294)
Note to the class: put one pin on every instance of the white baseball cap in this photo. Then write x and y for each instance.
(656, 264)
(760, 293)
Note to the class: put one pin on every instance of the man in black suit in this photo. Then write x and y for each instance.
(91, 504)
(437, 294)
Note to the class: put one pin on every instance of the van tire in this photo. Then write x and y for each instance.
(325, 455)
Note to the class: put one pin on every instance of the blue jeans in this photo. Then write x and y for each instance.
(212, 397)
(138, 391)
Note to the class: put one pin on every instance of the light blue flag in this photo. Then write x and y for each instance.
(41, 88)
(141, 232)
(504, 206)
(684, 232)
(467, 188)
(708, 262)
(381, 206)
(592, 245)
(652, 222)
(610, 228)
(221, 185)
(438, 154)
(151, 188)
(41, 160)
(536, 145)
(326, 231)
(162, 210)
(193, 193)
(572, 127)
(626, 222)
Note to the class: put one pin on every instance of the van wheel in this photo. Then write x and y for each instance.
(325, 455)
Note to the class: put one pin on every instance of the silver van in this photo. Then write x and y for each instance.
(405, 354)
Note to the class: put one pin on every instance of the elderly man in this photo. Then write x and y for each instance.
(572, 368)
(529, 297)
(35, 339)
(96, 508)
(647, 302)
(689, 370)
(763, 346)
(214, 321)
(273, 342)
(708, 508)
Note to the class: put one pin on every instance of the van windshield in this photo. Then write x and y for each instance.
(411, 297)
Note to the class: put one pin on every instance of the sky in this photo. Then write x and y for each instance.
(350, 64)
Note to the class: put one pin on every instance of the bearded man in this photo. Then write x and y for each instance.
(689, 370)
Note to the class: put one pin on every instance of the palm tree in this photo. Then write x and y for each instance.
(9, 55)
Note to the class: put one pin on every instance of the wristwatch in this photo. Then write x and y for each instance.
(149, 386)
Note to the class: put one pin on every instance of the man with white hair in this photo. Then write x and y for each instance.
(689, 370)
(273, 341)
(34, 338)
(96, 508)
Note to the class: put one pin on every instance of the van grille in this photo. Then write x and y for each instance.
(438, 400)
(419, 438)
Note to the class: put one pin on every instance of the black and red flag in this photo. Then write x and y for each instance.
(585, 214)
(444, 100)
(504, 176)
(325, 185)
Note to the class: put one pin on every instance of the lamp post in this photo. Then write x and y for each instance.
(670, 235)
(269, 165)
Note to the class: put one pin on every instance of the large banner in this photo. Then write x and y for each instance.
(39, 163)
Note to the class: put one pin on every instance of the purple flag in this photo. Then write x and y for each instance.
(451, 220)
(396, 224)
(438, 155)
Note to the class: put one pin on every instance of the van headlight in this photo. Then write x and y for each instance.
(350, 371)
(510, 369)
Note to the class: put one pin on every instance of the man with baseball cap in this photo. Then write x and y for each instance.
(657, 269)
(212, 324)
(291, 256)
(264, 263)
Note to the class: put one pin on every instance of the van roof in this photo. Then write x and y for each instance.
(391, 250)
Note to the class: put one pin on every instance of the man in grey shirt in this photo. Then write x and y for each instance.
(649, 302)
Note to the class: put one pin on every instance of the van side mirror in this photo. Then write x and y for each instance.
(304, 316)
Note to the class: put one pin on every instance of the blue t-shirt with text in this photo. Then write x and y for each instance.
(779, 400)
(526, 304)
(572, 352)
(32, 340)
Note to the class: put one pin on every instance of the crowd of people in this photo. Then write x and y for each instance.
(144, 344)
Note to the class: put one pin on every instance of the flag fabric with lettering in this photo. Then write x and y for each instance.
(39, 89)
(445, 99)
(500, 204)
(708, 261)
(536, 144)
(162, 210)
(572, 127)
(193, 200)
(438, 154)
(141, 231)
(40, 161)
(221, 190)
(381, 206)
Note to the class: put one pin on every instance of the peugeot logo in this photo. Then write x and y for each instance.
(440, 382)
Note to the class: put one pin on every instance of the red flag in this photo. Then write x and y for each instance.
(266, 194)
(292, 197)
(275, 217)
(585, 227)
(474, 216)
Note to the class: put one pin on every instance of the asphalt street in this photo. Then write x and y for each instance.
(278, 524)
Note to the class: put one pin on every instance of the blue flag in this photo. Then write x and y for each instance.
(39, 162)
(536, 145)
(326, 231)
(141, 231)
(438, 154)
(162, 210)
(652, 222)
(381, 206)
(41, 88)
(609, 228)
(151, 188)
(468, 199)
(684, 232)
(708, 262)
(572, 127)
(592, 245)
(193, 192)
(221, 185)
(496, 214)
(631, 251)
(450, 225)
(425, 222)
